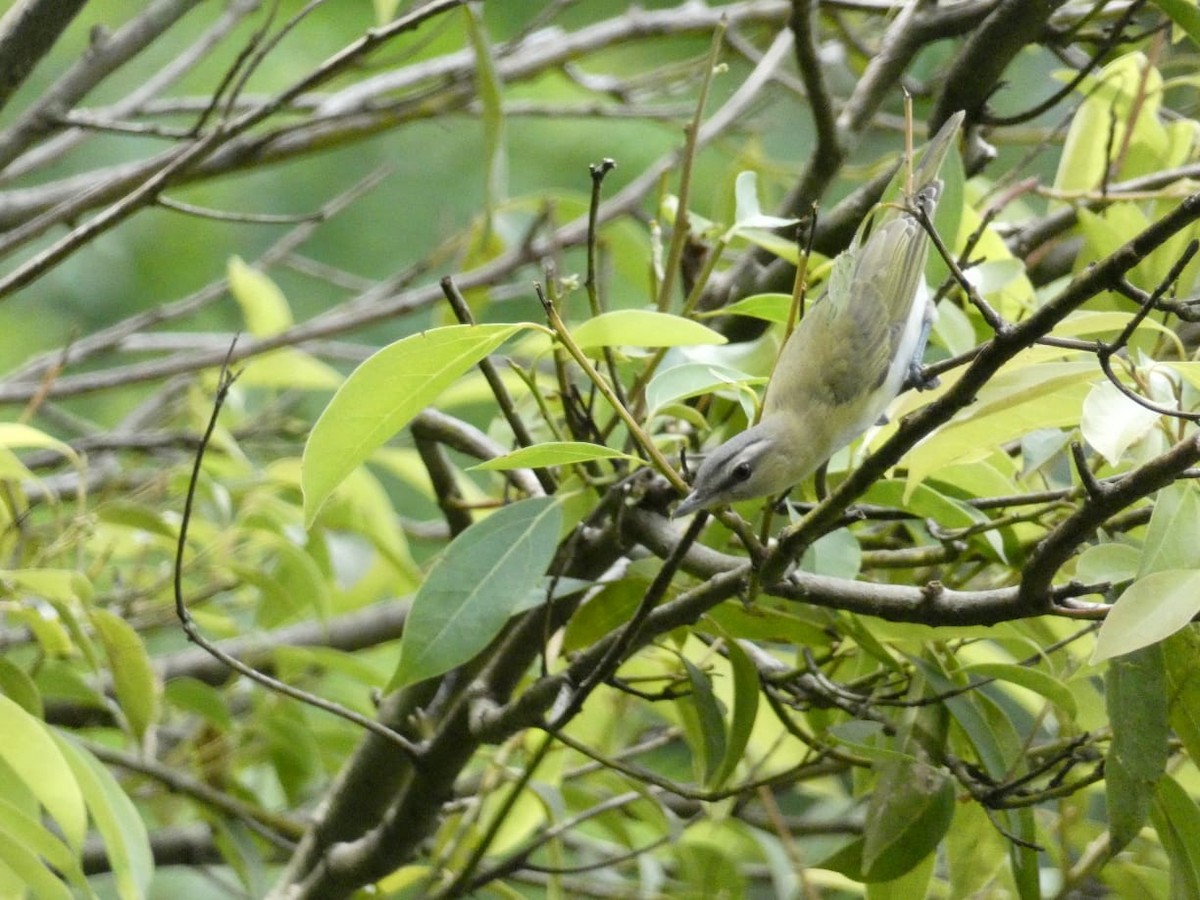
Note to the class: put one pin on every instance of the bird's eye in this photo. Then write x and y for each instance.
(742, 471)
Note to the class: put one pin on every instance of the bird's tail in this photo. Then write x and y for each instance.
(928, 170)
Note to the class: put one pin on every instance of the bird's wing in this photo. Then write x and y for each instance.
(864, 312)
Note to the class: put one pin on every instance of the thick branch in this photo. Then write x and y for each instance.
(1104, 501)
(27, 32)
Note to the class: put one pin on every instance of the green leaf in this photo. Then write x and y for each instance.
(290, 369)
(692, 380)
(15, 435)
(607, 609)
(745, 710)
(975, 851)
(761, 623)
(1149, 610)
(707, 870)
(29, 749)
(193, 696)
(1185, 14)
(643, 328)
(488, 90)
(769, 307)
(481, 579)
(836, 554)
(16, 684)
(914, 883)
(1181, 653)
(1107, 562)
(18, 826)
(1174, 531)
(26, 863)
(707, 729)
(133, 677)
(265, 310)
(382, 395)
(1022, 856)
(1136, 700)
(1031, 679)
(908, 814)
(1014, 403)
(1112, 423)
(554, 453)
(117, 820)
(749, 213)
(1177, 820)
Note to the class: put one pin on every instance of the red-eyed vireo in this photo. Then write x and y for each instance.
(847, 360)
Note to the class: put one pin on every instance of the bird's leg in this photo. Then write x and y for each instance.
(917, 376)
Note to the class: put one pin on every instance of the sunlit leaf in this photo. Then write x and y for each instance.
(1149, 610)
(382, 395)
(1112, 423)
(692, 380)
(768, 307)
(642, 328)
(29, 750)
(749, 213)
(554, 453)
(264, 307)
(126, 843)
(134, 681)
(22, 852)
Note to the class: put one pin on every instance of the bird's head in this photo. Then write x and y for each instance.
(756, 463)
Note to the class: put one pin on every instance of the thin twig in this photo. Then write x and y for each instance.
(192, 631)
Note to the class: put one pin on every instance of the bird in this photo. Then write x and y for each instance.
(849, 357)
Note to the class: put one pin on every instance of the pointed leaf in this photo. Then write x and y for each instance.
(483, 577)
(643, 328)
(768, 307)
(133, 677)
(745, 710)
(1149, 610)
(264, 307)
(1031, 679)
(907, 816)
(117, 820)
(1177, 820)
(382, 395)
(749, 213)
(554, 453)
(1174, 531)
(1185, 14)
(708, 739)
(1136, 699)
(28, 748)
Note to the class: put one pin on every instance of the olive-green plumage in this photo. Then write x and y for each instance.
(846, 361)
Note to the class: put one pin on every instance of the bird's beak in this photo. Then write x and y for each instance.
(690, 504)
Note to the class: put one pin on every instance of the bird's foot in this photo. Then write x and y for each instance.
(919, 378)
